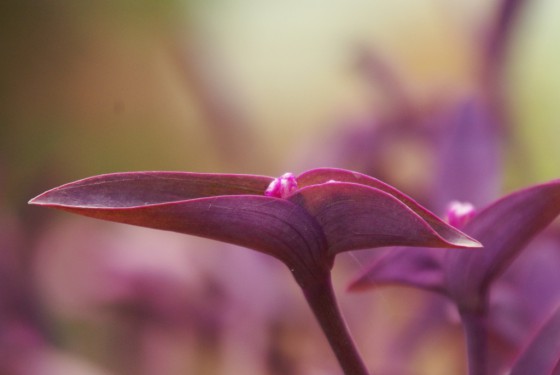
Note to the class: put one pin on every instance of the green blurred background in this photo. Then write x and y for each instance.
(239, 85)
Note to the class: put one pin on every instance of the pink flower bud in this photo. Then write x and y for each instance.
(281, 187)
(460, 213)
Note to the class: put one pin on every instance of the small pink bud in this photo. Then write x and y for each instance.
(460, 213)
(281, 187)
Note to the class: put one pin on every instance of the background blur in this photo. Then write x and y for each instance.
(240, 86)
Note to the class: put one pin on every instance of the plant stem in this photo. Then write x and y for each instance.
(322, 300)
(474, 326)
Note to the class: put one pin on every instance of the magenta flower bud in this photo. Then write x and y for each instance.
(460, 213)
(282, 187)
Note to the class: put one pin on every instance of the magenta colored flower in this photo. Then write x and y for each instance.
(460, 213)
(282, 187)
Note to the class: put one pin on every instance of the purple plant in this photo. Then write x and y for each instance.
(27, 345)
(541, 356)
(504, 228)
(304, 222)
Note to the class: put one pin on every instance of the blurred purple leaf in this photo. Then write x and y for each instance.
(380, 73)
(542, 354)
(528, 289)
(504, 228)
(305, 230)
(469, 156)
(500, 35)
(420, 268)
(206, 77)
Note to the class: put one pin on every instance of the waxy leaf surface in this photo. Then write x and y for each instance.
(305, 230)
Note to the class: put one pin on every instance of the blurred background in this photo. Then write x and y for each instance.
(246, 86)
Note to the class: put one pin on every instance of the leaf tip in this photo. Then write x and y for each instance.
(47, 198)
(36, 201)
(468, 243)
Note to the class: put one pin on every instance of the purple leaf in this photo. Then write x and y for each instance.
(358, 217)
(469, 156)
(380, 73)
(380, 206)
(191, 204)
(504, 228)
(131, 189)
(303, 227)
(500, 35)
(556, 370)
(542, 354)
(420, 268)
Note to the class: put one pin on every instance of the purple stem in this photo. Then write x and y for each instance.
(474, 326)
(322, 300)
